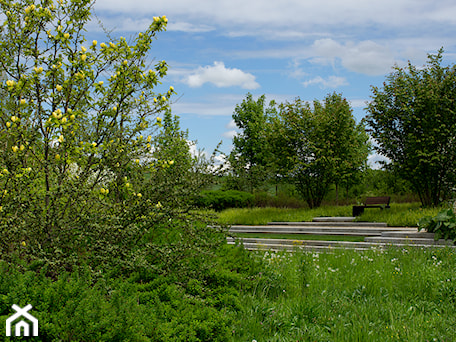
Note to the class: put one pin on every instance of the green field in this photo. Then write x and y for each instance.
(399, 215)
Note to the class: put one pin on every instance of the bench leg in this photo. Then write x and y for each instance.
(357, 210)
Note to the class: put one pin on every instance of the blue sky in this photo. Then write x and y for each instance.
(220, 50)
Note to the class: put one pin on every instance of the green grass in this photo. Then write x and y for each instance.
(394, 295)
(301, 237)
(399, 215)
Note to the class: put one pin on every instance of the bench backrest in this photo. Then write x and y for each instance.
(378, 200)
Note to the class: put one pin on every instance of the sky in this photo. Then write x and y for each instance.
(218, 51)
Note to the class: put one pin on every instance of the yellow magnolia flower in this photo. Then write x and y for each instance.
(10, 83)
(38, 70)
(111, 44)
(64, 120)
(114, 108)
(139, 195)
(165, 19)
(61, 139)
(125, 62)
(137, 161)
(158, 205)
(66, 35)
(57, 157)
(83, 49)
(14, 118)
(23, 243)
(8, 124)
(100, 83)
(171, 162)
(127, 185)
(94, 144)
(156, 18)
(22, 147)
(83, 57)
(149, 138)
(58, 87)
(159, 120)
(103, 45)
(163, 98)
(23, 101)
(171, 89)
(72, 117)
(155, 100)
(94, 42)
(15, 148)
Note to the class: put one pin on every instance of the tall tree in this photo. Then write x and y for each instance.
(319, 146)
(251, 154)
(413, 119)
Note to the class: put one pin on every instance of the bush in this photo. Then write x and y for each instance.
(78, 306)
(443, 225)
(220, 200)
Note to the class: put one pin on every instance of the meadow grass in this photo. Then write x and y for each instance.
(400, 214)
(405, 294)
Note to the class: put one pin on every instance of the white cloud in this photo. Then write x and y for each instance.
(375, 161)
(231, 125)
(366, 57)
(221, 76)
(211, 108)
(330, 82)
(230, 134)
(189, 27)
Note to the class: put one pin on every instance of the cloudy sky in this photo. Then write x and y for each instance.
(220, 50)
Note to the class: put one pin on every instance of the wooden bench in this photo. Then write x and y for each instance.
(372, 202)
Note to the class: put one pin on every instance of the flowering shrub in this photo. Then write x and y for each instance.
(79, 182)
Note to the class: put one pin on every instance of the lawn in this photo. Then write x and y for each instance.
(394, 295)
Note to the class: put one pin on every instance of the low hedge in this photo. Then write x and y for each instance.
(220, 200)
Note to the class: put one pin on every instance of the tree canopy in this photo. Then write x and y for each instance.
(413, 120)
(320, 145)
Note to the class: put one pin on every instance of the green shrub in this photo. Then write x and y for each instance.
(443, 225)
(220, 200)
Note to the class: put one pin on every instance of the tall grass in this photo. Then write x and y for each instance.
(400, 214)
(394, 295)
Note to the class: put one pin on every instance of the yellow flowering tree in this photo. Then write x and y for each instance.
(76, 124)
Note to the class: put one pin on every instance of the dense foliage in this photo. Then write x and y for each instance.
(443, 225)
(252, 156)
(312, 147)
(319, 145)
(413, 120)
(219, 200)
(91, 176)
